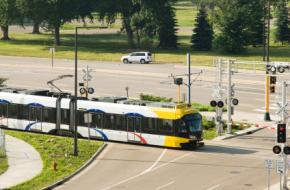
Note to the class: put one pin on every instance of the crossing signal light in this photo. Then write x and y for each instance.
(286, 150)
(213, 103)
(281, 133)
(219, 104)
(277, 149)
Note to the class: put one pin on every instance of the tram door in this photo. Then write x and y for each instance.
(134, 129)
(4, 114)
(36, 117)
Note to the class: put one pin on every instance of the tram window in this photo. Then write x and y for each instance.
(149, 125)
(109, 121)
(138, 124)
(80, 116)
(23, 112)
(65, 116)
(36, 113)
(12, 113)
(3, 110)
(97, 120)
(165, 126)
(120, 122)
(181, 129)
(49, 115)
(130, 123)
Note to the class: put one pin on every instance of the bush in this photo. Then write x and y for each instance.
(154, 98)
(207, 124)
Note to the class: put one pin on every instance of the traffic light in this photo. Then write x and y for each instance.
(281, 133)
(277, 149)
(273, 79)
(272, 88)
(178, 81)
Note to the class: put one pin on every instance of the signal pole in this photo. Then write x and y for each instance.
(189, 78)
(284, 105)
(229, 98)
(266, 54)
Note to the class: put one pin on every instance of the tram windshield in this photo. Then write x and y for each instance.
(193, 122)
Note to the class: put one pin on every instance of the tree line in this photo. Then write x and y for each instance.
(230, 25)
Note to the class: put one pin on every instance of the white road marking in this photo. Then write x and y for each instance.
(213, 187)
(155, 163)
(142, 173)
(165, 185)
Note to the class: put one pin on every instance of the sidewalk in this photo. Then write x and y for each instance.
(23, 160)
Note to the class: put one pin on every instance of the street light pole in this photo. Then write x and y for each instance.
(76, 95)
(76, 87)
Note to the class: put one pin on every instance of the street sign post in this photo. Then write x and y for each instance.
(269, 164)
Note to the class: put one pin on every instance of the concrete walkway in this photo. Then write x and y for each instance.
(24, 163)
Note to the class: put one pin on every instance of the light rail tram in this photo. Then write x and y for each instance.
(113, 118)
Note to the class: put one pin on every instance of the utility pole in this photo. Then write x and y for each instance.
(76, 95)
(219, 111)
(266, 53)
(189, 78)
(229, 97)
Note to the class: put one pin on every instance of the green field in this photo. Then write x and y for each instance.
(3, 165)
(58, 149)
(110, 46)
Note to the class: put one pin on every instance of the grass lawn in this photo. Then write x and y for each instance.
(53, 148)
(3, 164)
(110, 47)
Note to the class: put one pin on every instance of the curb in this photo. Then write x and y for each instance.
(240, 133)
(58, 183)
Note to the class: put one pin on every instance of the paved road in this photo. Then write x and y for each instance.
(220, 165)
(111, 79)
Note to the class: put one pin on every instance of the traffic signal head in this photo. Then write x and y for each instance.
(277, 149)
(281, 133)
(273, 79)
(178, 81)
(272, 88)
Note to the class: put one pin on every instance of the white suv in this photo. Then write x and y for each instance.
(140, 57)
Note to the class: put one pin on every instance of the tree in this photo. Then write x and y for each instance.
(8, 14)
(255, 22)
(167, 26)
(282, 23)
(202, 36)
(231, 24)
(61, 11)
(33, 10)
